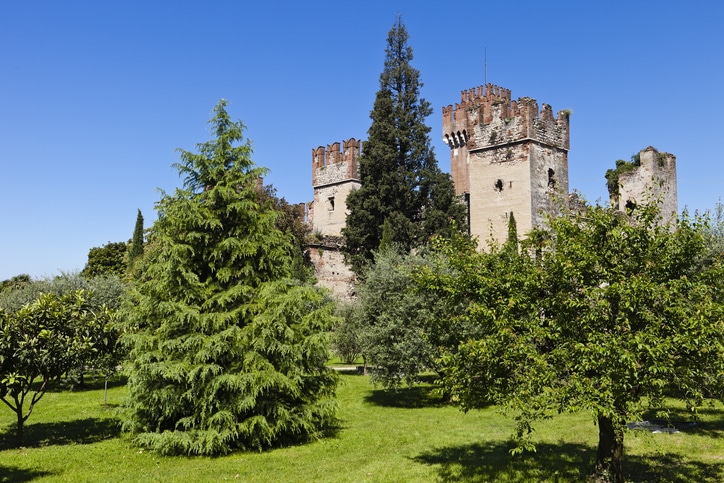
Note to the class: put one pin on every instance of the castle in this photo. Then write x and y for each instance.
(506, 156)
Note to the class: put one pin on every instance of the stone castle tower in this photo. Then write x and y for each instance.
(653, 179)
(335, 173)
(506, 156)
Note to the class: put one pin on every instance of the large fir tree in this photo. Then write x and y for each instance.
(401, 182)
(227, 352)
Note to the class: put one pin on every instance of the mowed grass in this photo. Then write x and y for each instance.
(403, 436)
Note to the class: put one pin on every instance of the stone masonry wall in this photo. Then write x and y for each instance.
(508, 156)
(654, 179)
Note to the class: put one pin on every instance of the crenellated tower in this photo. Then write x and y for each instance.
(506, 155)
(335, 173)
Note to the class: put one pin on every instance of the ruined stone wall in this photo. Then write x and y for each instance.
(654, 179)
(508, 156)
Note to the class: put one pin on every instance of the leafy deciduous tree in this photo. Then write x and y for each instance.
(600, 312)
(110, 259)
(226, 351)
(291, 221)
(99, 292)
(41, 342)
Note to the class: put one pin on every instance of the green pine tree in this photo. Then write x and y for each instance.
(401, 182)
(227, 352)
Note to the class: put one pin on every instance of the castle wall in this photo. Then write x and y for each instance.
(329, 208)
(654, 179)
(508, 156)
(497, 187)
(329, 268)
(335, 174)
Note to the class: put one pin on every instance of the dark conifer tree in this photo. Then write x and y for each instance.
(227, 352)
(512, 241)
(401, 182)
(136, 248)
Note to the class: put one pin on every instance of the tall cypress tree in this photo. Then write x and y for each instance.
(136, 248)
(226, 351)
(401, 182)
(512, 241)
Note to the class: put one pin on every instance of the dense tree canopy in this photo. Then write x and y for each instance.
(227, 351)
(110, 259)
(401, 182)
(600, 312)
(42, 341)
(290, 220)
(13, 283)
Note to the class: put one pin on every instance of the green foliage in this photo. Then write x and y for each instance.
(386, 241)
(512, 241)
(135, 249)
(714, 235)
(401, 182)
(347, 333)
(600, 312)
(41, 342)
(622, 167)
(393, 318)
(290, 220)
(14, 283)
(99, 291)
(226, 352)
(397, 324)
(110, 259)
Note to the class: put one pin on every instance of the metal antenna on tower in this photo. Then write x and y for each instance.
(485, 65)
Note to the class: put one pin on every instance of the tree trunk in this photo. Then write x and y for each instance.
(610, 450)
(19, 429)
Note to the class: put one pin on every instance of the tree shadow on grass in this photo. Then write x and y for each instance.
(558, 463)
(20, 475)
(90, 383)
(410, 397)
(710, 423)
(78, 431)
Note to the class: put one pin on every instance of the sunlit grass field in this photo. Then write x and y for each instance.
(403, 436)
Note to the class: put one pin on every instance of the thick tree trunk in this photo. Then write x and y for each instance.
(610, 451)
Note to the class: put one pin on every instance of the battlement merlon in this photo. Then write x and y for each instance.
(479, 108)
(340, 161)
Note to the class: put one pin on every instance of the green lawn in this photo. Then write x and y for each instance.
(385, 437)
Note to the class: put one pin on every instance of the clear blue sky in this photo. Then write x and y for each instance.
(95, 96)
